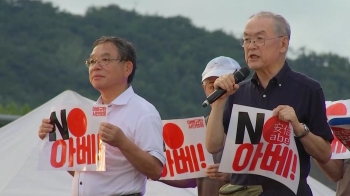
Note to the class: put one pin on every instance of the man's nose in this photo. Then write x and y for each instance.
(251, 44)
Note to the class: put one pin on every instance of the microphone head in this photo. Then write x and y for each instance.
(241, 74)
(205, 103)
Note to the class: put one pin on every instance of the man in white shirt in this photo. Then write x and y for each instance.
(133, 134)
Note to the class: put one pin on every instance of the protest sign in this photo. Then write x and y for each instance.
(340, 126)
(185, 152)
(259, 143)
(337, 115)
(74, 144)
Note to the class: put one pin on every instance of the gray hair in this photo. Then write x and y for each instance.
(281, 25)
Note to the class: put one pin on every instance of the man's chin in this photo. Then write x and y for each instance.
(97, 86)
(254, 65)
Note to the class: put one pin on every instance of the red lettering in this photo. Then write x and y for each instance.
(71, 151)
(344, 137)
(168, 165)
(277, 159)
(53, 159)
(294, 167)
(274, 158)
(196, 123)
(99, 143)
(334, 144)
(99, 109)
(337, 146)
(249, 148)
(165, 170)
(99, 113)
(201, 155)
(194, 157)
(183, 161)
(346, 132)
(190, 122)
(276, 131)
(83, 150)
(347, 143)
(288, 163)
(93, 148)
(257, 155)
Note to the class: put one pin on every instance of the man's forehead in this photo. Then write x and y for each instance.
(102, 54)
(258, 26)
(254, 32)
(104, 49)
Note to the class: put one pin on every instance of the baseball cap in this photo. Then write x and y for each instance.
(220, 66)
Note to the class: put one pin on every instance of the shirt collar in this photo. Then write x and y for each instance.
(280, 78)
(122, 99)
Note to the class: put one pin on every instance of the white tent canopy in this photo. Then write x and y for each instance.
(19, 153)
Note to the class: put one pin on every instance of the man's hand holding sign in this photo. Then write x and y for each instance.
(314, 145)
(213, 173)
(111, 134)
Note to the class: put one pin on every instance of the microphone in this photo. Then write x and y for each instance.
(239, 76)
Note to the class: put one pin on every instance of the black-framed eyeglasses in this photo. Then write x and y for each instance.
(258, 41)
(103, 61)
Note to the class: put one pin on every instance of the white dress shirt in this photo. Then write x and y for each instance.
(141, 123)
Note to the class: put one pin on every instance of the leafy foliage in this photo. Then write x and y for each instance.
(43, 50)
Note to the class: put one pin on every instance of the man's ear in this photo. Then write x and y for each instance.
(128, 68)
(284, 44)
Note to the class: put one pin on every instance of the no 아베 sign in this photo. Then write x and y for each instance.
(74, 144)
(184, 149)
(259, 143)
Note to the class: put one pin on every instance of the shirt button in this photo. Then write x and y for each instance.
(279, 84)
(81, 183)
(264, 96)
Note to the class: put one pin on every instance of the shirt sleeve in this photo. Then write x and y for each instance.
(148, 136)
(318, 123)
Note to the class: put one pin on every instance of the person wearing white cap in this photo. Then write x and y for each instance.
(210, 185)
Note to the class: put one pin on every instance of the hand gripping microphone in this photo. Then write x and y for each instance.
(239, 76)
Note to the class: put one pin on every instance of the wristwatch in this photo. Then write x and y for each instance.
(306, 131)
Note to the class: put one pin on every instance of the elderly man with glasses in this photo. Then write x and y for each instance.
(292, 96)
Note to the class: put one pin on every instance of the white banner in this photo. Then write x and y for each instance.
(185, 152)
(340, 126)
(74, 145)
(259, 143)
(336, 110)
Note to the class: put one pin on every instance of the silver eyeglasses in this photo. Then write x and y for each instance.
(103, 61)
(259, 41)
